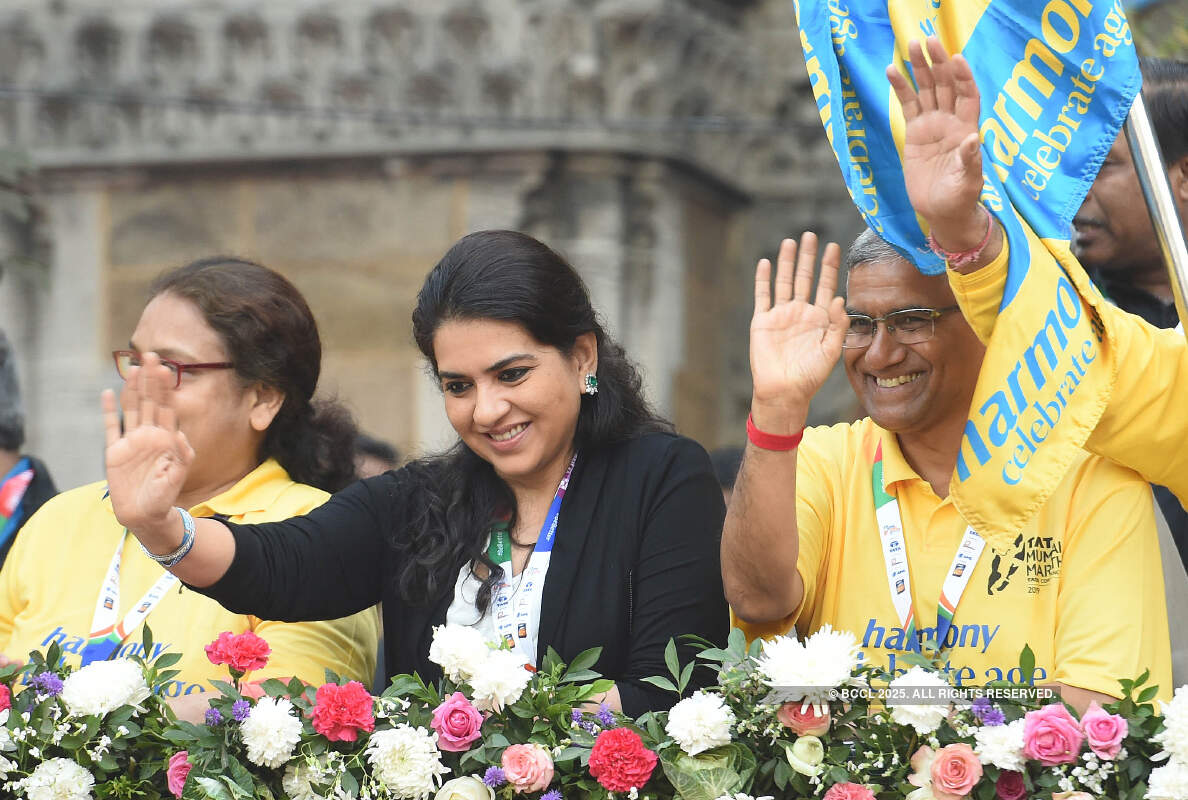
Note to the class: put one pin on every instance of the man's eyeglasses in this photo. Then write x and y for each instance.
(126, 359)
(909, 326)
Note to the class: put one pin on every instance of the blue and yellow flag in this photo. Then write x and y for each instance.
(1057, 78)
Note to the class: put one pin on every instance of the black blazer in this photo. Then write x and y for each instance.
(635, 563)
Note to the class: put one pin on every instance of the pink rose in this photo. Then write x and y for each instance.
(1104, 731)
(457, 723)
(1051, 735)
(5, 697)
(849, 791)
(242, 653)
(954, 772)
(179, 770)
(1010, 785)
(527, 767)
(803, 719)
(340, 712)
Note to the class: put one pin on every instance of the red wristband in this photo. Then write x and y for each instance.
(771, 441)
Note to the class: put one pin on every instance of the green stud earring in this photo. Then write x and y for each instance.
(591, 386)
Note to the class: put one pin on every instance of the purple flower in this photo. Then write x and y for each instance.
(494, 777)
(47, 684)
(551, 794)
(576, 716)
(589, 727)
(980, 706)
(605, 716)
(213, 717)
(993, 717)
(240, 710)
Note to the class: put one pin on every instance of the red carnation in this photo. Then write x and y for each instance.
(620, 761)
(340, 712)
(242, 653)
(5, 697)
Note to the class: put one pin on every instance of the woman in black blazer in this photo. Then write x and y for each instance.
(567, 516)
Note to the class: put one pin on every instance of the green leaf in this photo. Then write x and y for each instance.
(275, 688)
(671, 660)
(663, 683)
(685, 676)
(1027, 663)
(585, 659)
(1148, 694)
(215, 789)
(166, 660)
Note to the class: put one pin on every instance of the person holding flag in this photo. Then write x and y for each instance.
(854, 526)
(1142, 425)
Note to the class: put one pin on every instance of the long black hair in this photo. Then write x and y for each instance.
(505, 276)
(271, 337)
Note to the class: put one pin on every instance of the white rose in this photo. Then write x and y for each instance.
(699, 723)
(925, 718)
(103, 686)
(465, 788)
(58, 779)
(500, 681)
(406, 761)
(271, 732)
(805, 755)
(459, 651)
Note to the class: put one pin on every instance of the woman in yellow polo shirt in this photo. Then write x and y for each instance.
(245, 355)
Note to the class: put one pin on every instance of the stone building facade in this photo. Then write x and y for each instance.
(662, 145)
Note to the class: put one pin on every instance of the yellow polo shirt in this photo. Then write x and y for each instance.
(51, 580)
(1145, 425)
(1083, 584)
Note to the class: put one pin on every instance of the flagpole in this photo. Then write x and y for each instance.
(1152, 175)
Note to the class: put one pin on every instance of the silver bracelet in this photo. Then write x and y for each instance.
(170, 559)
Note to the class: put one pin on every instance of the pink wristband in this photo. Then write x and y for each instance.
(962, 258)
(771, 441)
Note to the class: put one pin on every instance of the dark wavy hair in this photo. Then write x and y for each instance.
(271, 337)
(509, 277)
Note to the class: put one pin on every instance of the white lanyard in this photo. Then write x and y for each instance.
(517, 612)
(106, 634)
(899, 581)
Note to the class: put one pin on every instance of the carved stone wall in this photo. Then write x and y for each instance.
(662, 145)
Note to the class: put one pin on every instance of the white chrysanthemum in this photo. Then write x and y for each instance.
(1174, 736)
(500, 680)
(406, 761)
(459, 651)
(271, 732)
(699, 723)
(924, 717)
(1169, 782)
(1001, 745)
(58, 779)
(103, 686)
(824, 661)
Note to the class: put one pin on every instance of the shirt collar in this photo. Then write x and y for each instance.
(255, 491)
(895, 466)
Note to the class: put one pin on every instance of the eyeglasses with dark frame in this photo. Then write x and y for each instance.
(907, 326)
(125, 359)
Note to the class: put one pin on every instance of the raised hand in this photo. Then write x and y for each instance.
(942, 164)
(148, 461)
(795, 341)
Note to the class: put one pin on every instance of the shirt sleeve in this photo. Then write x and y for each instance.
(326, 564)
(12, 594)
(677, 583)
(1143, 426)
(1111, 619)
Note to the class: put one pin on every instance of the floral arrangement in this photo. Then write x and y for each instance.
(785, 718)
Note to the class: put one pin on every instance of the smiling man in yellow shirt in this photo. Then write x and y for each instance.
(855, 528)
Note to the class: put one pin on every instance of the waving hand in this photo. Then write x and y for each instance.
(795, 339)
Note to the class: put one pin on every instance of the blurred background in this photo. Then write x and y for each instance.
(663, 146)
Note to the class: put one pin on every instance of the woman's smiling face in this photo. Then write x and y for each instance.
(513, 400)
